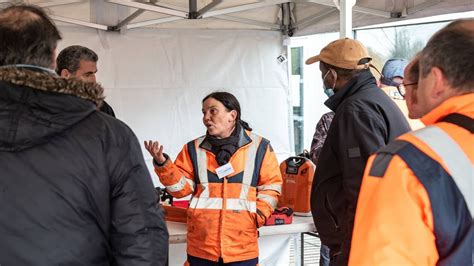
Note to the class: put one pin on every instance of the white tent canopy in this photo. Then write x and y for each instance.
(299, 17)
(158, 59)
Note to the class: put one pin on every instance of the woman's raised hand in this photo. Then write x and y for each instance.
(155, 150)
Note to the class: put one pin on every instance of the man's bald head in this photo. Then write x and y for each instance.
(27, 36)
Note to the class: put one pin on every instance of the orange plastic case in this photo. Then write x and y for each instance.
(297, 173)
(175, 214)
(283, 215)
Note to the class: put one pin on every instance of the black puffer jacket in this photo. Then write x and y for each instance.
(366, 119)
(74, 188)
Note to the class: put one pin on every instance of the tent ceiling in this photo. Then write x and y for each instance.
(299, 17)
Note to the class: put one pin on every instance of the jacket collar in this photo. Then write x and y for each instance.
(31, 67)
(40, 79)
(462, 104)
(352, 87)
(244, 139)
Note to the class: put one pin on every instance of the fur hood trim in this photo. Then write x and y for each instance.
(46, 82)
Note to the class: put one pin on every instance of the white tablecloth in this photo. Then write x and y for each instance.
(274, 241)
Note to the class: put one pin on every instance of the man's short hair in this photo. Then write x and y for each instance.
(70, 57)
(451, 50)
(414, 71)
(27, 36)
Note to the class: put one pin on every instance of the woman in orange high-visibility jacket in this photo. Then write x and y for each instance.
(234, 178)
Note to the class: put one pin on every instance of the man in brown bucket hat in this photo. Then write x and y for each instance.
(365, 120)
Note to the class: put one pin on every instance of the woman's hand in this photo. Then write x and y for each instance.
(155, 150)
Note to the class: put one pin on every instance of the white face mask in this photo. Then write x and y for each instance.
(329, 91)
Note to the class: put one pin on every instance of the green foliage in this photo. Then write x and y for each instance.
(404, 45)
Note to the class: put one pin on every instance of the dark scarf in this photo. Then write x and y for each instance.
(224, 148)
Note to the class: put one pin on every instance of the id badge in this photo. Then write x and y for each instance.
(224, 170)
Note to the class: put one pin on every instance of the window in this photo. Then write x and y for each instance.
(396, 42)
(297, 87)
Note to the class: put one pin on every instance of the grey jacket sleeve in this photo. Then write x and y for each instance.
(138, 233)
(320, 134)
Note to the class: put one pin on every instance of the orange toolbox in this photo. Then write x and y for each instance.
(175, 214)
(297, 173)
(175, 210)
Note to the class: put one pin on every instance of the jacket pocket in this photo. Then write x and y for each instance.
(330, 211)
(255, 216)
(258, 214)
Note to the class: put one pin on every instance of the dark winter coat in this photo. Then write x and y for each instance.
(74, 188)
(366, 119)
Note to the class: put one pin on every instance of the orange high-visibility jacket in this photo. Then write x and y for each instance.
(416, 199)
(224, 213)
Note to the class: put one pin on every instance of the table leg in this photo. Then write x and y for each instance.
(302, 249)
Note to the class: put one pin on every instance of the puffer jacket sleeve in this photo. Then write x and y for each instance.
(177, 177)
(320, 134)
(138, 235)
(269, 186)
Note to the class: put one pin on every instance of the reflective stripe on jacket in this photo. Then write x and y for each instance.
(415, 204)
(224, 213)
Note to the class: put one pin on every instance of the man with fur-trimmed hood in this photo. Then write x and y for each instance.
(74, 188)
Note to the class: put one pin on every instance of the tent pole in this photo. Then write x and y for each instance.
(345, 18)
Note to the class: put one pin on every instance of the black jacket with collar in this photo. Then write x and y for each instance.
(366, 119)
(74, 188)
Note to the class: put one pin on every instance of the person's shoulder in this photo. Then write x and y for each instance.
(328, 115)
(257, 137)
(253, 135)
(266, 143)
(111, 126)
(326, 118)
(106, 108)
(384, 156)
(198, 141)
(373, 102)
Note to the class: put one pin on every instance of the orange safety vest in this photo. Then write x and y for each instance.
(416, 199)
(224, 213)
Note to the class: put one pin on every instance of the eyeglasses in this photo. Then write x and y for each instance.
(402, 88)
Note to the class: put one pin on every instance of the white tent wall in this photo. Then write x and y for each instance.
(155, 80)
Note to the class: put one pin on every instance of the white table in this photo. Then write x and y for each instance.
(273, 241)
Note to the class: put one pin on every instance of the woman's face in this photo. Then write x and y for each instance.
(217, 119)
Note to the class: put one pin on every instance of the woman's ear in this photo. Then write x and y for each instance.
(233, 115)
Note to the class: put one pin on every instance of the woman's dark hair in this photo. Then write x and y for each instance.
(230, 103)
